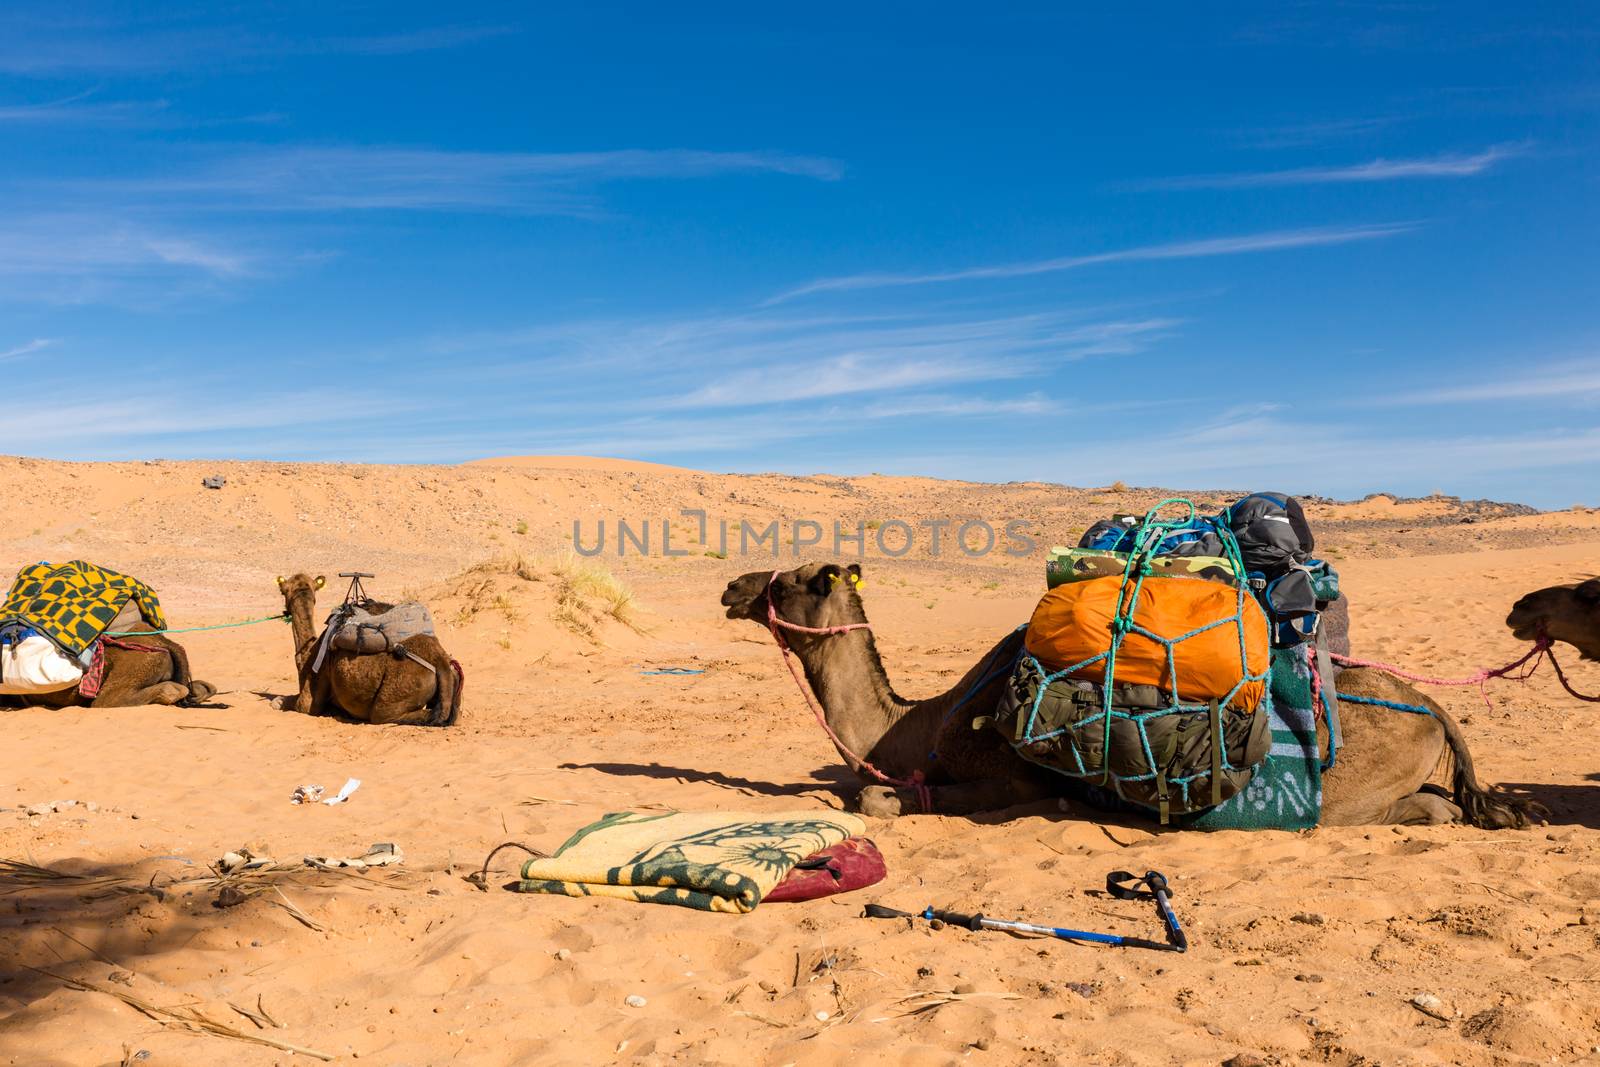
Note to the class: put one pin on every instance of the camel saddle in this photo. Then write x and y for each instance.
(368, 627)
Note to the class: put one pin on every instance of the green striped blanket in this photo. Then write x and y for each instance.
(1286, 792)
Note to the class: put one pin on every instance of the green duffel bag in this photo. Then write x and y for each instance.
(1162, 757)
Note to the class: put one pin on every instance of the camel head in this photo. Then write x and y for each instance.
(1569, 613)
(818, 595)
(300, 585)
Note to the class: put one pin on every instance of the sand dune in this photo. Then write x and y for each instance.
(1307, 947)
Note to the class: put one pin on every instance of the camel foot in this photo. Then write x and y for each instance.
(880, 802)
(200, 692)
(1426, 807)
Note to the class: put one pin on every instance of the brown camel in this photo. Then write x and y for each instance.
(1569, 613)
(146, 668)
(1380, 777)
(376, 687)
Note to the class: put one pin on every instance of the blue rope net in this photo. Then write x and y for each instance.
(1152, 532)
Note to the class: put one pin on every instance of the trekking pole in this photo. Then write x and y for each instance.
(1125, 886)
(1176, 940)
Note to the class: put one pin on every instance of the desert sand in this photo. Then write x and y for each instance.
(1306, 948)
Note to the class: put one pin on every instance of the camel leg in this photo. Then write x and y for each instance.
(161, 693)
(960, 798)
(1426, 807)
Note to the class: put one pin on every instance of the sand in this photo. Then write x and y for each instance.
(1306, 947)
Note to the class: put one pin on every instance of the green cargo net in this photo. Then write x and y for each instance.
(1151, 533)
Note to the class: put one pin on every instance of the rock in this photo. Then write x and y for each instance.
(927, 972)
(90, 805)
(634, 1000)
(964, 987)
(216, 481)
(822, 1016)
(39, 809)
(1245, 1059)
(982, 1044)
(767, 987)
(1432, 1006)
(1308, 918)
(563, 954)
(230, 897)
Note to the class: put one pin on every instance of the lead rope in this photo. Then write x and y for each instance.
(1529, 663)
(777, 626)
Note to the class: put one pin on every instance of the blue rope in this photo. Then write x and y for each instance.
(1415, 709)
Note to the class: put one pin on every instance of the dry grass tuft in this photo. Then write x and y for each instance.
(586, 594)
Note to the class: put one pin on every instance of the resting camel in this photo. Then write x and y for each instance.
(1380, 776)
(145, 668)
(376, 687)
(1569, 613)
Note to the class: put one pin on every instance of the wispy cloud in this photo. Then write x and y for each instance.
(1378, 170)
(1299, 135)
(152, 44)
(1574, 380)
(420, 179)
(957, 407)
(81, 245)
(1270, 241)
(26, 349)
(79, 109)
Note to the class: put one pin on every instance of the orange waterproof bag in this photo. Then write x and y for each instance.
(1073, 623)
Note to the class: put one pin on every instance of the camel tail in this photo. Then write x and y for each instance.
(446, 708)
(1481, 806)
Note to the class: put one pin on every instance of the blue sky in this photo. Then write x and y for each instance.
(1331, 248)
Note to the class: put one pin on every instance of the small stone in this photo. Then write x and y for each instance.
(924, 972)
(1308, 918)
(982, 1044)
(40, 809)
(767, 987)
(822, 1016)
(90, 805)
(964, 987)
(1308, 978)
(563, 954)
(1431, 1006)
(1245, 1059)
(634, 1000)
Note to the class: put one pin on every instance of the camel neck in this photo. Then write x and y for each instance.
(871, 720)
(302, 622)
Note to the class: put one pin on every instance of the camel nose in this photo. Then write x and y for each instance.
(731, 595)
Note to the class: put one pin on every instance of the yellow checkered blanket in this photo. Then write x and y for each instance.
(74, 603)
(710, 861)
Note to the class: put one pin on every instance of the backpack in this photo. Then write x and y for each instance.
(1272, 533)
(1151, 679)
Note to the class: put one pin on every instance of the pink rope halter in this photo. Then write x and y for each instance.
(1542, 649)
(777, 626)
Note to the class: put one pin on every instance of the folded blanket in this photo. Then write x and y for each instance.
(710, 861)
(74, 603)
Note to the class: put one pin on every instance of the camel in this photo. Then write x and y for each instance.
(1569, 613)
(1381, 776)
(375, 687)
(144, 668)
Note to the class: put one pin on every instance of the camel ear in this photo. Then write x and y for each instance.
(827, 579)
(321, 581)
(1589, 592)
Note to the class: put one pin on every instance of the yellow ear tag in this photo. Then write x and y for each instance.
(859, 582)
(834, 578)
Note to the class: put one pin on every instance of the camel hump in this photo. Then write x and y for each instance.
(376, 627)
